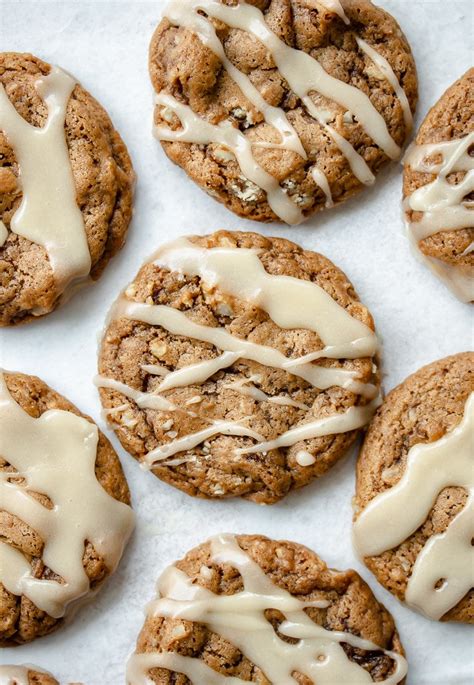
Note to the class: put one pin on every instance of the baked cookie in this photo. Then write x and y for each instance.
(66, 184)
(438, 188)
(249, 609)
(25, 675)
(238, 365)
(280, 108)
(415, 491)
(64, 514)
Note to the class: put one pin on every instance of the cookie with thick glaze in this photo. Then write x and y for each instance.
(440, 164)
(204, 364)
(68, 476)
(249, 609)
(66, 183)
(413, 498)
(298, 119)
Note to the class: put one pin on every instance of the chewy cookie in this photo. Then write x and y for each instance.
(246, 608)
(238, 365)
(280, 108)
(66, 185)
(415, 491)
(438, 188)
(25, 675)
(64, 517)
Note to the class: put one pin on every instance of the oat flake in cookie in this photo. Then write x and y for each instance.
(280, 108)
(438, 188)
(64, 515)
(415, 491)
(238, 365)
(65, 187)
(244, 608)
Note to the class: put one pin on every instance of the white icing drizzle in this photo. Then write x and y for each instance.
(304, 75)
(181, 14)
(177, 323)
(48, 214)
(387, 71)
(442, 203)
(246, 387)
(336, 7)
(56, 454)
(304, 458)
(321, 180)
(14, 675)
(352, 419)
(195, 129)
(3, 233)
(392, 516)
(239, 619)
(18, 675)
(291, 303)
(191, 440)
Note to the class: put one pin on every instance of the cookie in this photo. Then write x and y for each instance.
(65, 516)
(66, 184)
(248, 609)
(438, 188)
(238, 365)
(25, 675)
(281, 108)
(415, 491)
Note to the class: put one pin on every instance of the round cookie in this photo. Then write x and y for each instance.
(25, 675)
(298, 120)
(439, 214)
(222, 612)
(66, 184)
(64, 534)
(414, 476)
(238, 365)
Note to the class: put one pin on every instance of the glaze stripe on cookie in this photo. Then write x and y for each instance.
(444, 206)
(304, 75)
(55, 455)
(291, 303)
(240, 619)
(444, 569)
(19, 675)
(48, 214)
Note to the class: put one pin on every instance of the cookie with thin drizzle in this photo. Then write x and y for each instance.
(246, 609)
(280, 108)
(66, 183)
(238, 365)
(64, 514)
(438, 188)
(415, 491)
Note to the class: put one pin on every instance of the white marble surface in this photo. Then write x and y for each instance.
(104, 44)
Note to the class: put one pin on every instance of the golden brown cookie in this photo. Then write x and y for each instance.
(442, 158)
(208, 433)
(96, 487)
(32, 282)
(25, 675)
(224, 610)
(414, 442)
(280, 126)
